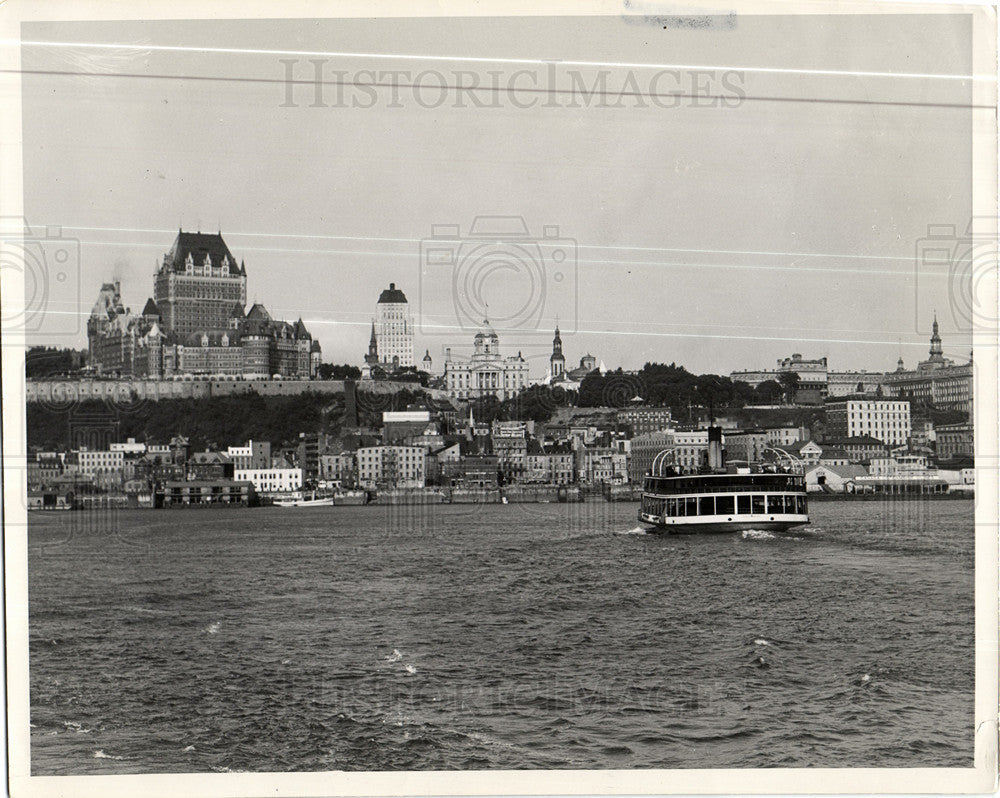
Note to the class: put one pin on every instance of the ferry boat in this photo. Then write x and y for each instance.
(723, 499)
(297, 499)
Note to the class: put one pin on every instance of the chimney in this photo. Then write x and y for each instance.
(392, 286)
(716, 459)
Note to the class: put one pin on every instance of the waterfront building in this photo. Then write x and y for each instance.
(394, 328)
(254, 455)
(642, 450)
(858, 448)
(691, 448)
(831, 478)
(786, 436)
(338, 468)
(209, 466)
(100, 464)
(279, 477)
(746, 445)
(954, 440)
(601, 465)
(887, 420)
(510, 445)
(551, 465)
(487, 372)
(390, 467)
(210, 492)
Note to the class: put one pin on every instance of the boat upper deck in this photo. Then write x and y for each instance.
(724, 483)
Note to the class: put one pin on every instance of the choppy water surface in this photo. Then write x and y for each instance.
(517, 636)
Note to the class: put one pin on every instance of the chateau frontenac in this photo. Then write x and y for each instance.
(195, 323)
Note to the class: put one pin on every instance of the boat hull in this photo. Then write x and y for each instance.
(681, 526)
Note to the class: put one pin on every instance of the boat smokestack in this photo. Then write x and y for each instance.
(716, 459)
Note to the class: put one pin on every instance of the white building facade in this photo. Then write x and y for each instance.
(487, 372)
(391, 467)
(887, 420)
(271, 480)
(394, 328)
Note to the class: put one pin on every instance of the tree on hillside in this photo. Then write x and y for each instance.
(769, 392)
(789, 381)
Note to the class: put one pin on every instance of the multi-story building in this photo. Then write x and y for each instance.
(812, 374)
(197, 284)
(196, 324)
(254, 455)
(394, 328)
(642, 420)
(551, 465)
(786, 436)
(853, 383)
(391, 467)
(601, 466)
(691, 448)
(487, 372)
(100, 463)
(510, 445)
(954, 440)
(859, 448)
(937, 382)
(642, 450)
(886, 420)
(279, 477)
(338, 468)
(209, 466)
(746, 445)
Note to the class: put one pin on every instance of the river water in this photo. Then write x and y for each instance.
(512, 636)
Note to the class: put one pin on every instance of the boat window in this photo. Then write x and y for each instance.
(789, 504)
(757, 503)
(691, 505)
(776, 504)
(800, 505)
(671, 507)
(706, 505)
(743, 503)
(724, 505)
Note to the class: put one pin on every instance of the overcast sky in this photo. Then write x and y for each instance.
(717, 237)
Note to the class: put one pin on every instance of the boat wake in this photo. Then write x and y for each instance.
(758, 534)
(636, 530)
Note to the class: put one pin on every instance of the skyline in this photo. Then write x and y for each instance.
(732, 236)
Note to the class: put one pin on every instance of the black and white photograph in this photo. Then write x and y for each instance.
(484, 398)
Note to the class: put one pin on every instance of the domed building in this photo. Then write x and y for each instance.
(487, 372)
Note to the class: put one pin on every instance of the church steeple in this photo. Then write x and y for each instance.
(373, 347)
(936, 350)
(557, 362)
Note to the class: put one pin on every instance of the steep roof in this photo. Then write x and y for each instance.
(258, 313)
(237, 311)
(315, 347)
(198, 245)
(391, 294)
(150, 309)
